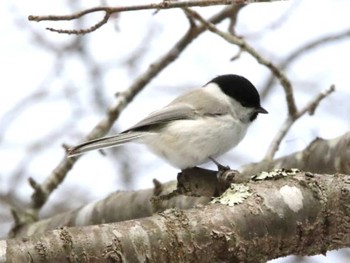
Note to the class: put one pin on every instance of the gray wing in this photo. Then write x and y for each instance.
(191, 105)
(169, 113)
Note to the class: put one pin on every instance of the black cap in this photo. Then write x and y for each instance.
(240, 89)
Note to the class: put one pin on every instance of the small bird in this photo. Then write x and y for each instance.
(194, 128)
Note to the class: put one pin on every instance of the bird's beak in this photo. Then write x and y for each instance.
(261, 110)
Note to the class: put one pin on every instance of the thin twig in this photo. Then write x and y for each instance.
(110, 10)
(300, 52)
(292, 110)
(310, 107)
(82, 31)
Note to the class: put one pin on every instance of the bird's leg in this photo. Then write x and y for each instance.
(221, 168)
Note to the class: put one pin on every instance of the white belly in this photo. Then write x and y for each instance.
(188, 143)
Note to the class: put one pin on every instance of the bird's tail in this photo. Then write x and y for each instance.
(105, 142)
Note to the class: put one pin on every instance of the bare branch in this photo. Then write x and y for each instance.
(82, 31)
(292, 110)
(110, 10)
(312, 45)
(310, 107)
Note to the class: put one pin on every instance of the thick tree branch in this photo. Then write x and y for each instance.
(304, 214)
(113, 209)
(321, 156)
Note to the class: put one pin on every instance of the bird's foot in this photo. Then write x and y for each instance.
(221, 168)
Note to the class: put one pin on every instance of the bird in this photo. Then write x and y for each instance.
(196, 127)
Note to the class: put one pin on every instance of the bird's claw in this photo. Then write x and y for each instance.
(221, 168)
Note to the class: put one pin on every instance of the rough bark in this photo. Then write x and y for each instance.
(112, 208)
(118, 206)
(304, 214)
(321, 156)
